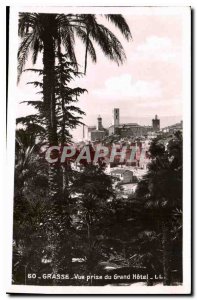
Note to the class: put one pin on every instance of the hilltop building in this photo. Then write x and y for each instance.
(124, 175)
(121, 129)
(126, 129)
(97, 133)
(156, 124)
(173, 128)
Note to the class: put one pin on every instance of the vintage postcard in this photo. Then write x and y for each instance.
(99, 130)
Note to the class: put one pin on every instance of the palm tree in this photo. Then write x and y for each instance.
(46, 32)
(68, 115)
(54, 29)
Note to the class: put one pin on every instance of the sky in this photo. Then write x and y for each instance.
(148, 83)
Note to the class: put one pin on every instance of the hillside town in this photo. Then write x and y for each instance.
(96, 203)
(127, 135)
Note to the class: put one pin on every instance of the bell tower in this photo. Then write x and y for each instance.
(99, 126)
(116, 116)
(156, 123)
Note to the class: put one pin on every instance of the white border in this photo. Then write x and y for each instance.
(186, 287)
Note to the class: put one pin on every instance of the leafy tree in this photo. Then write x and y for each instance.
(68, 115)
(91, 208)
(41, 229)
(56, 222)
(46, 33)
(161, 191)
(31, 190)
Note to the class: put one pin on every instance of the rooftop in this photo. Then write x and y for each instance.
(98, 130)
(120, 171)
(130, 125)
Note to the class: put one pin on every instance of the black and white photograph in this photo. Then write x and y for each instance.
(100, 146)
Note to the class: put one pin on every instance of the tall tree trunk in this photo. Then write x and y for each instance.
(65, 168)
(63, 138)
(49, 96)
(166, 252)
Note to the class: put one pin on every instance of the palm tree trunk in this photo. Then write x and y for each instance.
(64, 175)
(166, 252)
(48, 87)
(49, 98)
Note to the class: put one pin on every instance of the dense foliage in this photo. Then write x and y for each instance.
(76, 220)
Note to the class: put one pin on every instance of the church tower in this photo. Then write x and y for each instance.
(116, 117)
(100, 126)
(156, 123)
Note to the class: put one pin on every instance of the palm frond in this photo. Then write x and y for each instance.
(109, 44)
(120, 22)
(27, 21)
(36, 49)
(29, 31)
(89, 45)
(67, 37)
(23, 52)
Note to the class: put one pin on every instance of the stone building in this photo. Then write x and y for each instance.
(124, 175)
(173, 128)
(124, 130)
(97, 133)
(156, 124)
(131, 129)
